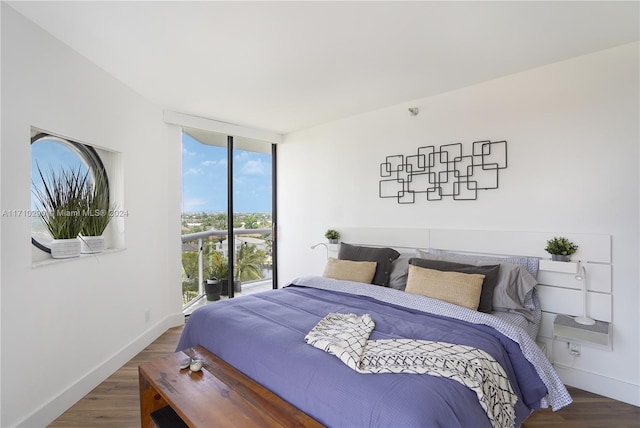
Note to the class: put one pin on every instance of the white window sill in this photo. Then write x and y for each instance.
(52, 261)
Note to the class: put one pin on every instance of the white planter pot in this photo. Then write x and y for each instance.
(92, 244)
(65, 248)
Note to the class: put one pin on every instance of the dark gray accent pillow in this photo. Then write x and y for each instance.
(383, 256)
(490, 273)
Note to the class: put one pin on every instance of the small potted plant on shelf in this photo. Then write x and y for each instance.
(332, 235)
(560, 249)
(60, 201)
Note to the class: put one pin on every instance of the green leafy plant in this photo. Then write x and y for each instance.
(561, 246)
(249, 263)
(332, 234)
(60, 201)
(218, 267)
(97, 212)
(190, 267)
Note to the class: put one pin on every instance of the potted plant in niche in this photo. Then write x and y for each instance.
(96, 215)
(332, 235)
(60, 201)
(560, 249)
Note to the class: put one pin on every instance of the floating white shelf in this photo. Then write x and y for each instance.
(563, 267)
(564, 327)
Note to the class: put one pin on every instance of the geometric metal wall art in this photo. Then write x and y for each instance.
(439, 172)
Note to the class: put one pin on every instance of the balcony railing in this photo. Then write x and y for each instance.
(189, 295)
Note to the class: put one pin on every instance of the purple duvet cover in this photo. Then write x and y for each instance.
(262, 335)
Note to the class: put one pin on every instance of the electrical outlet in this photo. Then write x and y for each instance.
(574, 349)
(147, 315)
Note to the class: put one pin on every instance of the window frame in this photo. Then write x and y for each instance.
(88, 155)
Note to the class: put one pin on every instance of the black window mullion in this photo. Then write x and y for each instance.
(274, 219)
(230, 237)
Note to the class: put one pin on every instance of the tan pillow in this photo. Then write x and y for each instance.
(461, 289)
(349, 270)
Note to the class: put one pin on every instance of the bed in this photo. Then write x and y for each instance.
(485, 369)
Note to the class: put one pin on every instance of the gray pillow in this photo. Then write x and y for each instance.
(383, 256)
(513, 284)
(400, 271)
(531, 264)
(490, 273)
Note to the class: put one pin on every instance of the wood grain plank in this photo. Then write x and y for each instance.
(217, 395)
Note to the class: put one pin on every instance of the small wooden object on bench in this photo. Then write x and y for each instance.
(217, 395)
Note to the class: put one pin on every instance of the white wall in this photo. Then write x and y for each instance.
(67, 326)
(572, 130)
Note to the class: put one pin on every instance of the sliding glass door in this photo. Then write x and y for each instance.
(228, 215)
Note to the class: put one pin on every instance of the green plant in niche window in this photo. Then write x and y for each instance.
(98, 211)
(61, 201)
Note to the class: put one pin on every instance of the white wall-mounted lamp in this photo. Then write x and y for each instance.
(326, 247)
(582, 276)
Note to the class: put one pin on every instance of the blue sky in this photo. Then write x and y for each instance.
(52, 155)
(204, 179)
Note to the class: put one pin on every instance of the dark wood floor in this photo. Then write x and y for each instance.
(114, 403)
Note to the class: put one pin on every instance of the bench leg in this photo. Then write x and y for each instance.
(150, 401)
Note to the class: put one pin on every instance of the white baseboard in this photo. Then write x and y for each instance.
(173, 320)
(613, 388)
(48, 412)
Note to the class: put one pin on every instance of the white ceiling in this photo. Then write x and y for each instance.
(284, 66)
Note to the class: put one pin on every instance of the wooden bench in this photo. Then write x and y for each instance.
(217, 395)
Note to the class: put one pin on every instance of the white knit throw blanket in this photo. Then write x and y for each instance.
(347, 337)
